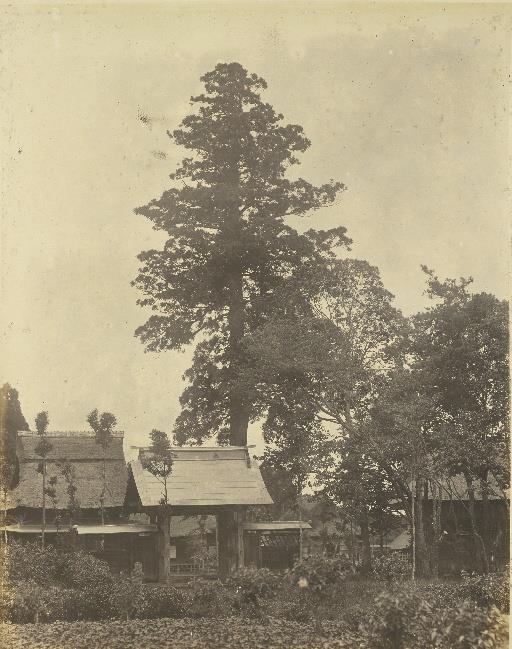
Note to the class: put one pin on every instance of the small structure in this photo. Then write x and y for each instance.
(275, 545)
(118, 542)
(219, 481)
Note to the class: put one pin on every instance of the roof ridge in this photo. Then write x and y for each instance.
(67, 433)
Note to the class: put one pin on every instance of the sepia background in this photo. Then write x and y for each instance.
(407, 104)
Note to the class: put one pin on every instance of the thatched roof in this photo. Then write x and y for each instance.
(202, 476)
(86, 457)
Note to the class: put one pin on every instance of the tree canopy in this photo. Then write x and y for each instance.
(230, 243)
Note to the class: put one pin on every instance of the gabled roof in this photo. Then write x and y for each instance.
(204, 476)
(86, 457)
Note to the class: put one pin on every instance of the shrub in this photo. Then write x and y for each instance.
(488, 590)
(160, 601)
(390, 623)
(258, 582)
(28, 562)
(210, 599)
(124, 597)
(318, 573)
(392, 567)
(81, 570)
(469, 627)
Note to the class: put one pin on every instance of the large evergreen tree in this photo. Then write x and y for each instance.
(229, 243)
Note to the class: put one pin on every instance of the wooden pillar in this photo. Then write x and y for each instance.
(230, 540)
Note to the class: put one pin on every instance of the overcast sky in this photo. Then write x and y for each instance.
(407, 106)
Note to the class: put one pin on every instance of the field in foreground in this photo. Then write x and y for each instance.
(228, 633)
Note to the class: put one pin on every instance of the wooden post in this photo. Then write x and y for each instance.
(230, 540)
(240, 517)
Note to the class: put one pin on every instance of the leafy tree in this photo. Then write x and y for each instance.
(159, 461)
(11, 421)
(43, 448)
(229, 244)
(103, 426)
(330, 350)
(461, 346)
(69, 474)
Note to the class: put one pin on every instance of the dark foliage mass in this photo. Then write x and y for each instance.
(230, 244)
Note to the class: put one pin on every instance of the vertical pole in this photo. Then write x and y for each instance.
(240, 538)
(413, 516)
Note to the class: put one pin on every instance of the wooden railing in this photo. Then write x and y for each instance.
(192, 569)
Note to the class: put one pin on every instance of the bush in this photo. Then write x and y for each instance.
(78, 569)
(159, 601)
(488, 590)
(210, 599)
(318, 573)
(469, 627)
(392, 567)
(251, 586)
(390, 624)
(31, 602)
(28, 562)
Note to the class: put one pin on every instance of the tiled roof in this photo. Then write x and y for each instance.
(204, 476)
(86, 457)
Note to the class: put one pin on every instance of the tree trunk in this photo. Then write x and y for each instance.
(104, 487)
(486, 520)
(366, 562)
(238, 408)
(43, 526)
(478, 543)
(164, 543)
(437, 502)
(422, 566)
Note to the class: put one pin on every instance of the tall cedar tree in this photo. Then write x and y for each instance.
(42, 449)
(103, 426)
(229, 244)
(11, 422)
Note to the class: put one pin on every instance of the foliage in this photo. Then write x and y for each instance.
(103, 426)
(11, 421)
(226, 633)
(28, 562)
(390, 623)
(488, 590)
(470, 627)
(210, 599)
(159, 460)
(392, 567)
(158, 601)
(317, 572)
(252, 585)
(229, 244)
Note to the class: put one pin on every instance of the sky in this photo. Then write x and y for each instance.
(407, 104)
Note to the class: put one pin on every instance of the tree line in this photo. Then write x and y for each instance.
(379, 410)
